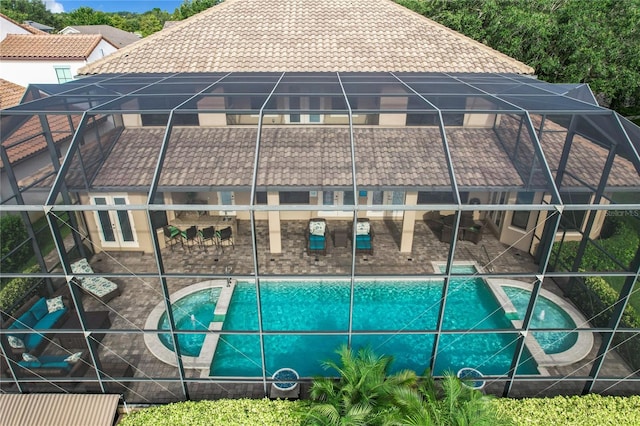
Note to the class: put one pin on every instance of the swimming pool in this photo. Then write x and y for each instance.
(380, 308)
(192, 312)
(545, 315)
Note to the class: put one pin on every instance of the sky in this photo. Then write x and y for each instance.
(138, 6)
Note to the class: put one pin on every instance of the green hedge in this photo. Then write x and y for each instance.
(19, 288)
(621, 245)
(227, 412)
(571, 411)
(567, 411)
(13, 234)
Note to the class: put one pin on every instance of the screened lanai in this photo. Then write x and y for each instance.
(344, 196)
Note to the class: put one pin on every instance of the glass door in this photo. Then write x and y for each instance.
(336, 198)
(115, 227)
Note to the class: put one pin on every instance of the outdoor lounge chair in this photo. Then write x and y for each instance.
(99, 287)
(364, 236)
(317, 236)
(208, 235)
(190, 237)
(171, 236)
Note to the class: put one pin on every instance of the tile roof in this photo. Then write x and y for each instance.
(58, 46)
(115, 36)
(317, 156)
(33, 139)
(10, 93)
(307, 35)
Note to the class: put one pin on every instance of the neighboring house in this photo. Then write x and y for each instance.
(115, 36)
(9, 26)
(169, 24)
(49, 58)
(39, 26)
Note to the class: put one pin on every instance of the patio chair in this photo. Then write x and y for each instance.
(364, 237)
(225, 235)
(190, 237)
(208, 235)
(317, 236)
(171, 236)
(99, 287)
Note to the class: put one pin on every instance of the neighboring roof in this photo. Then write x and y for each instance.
(307, 35)
(115, 36)
(10, 93)
(28, 28)
(58, 46)
(58, 409)
(39, 26)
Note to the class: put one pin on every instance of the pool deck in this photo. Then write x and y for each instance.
(140, 295)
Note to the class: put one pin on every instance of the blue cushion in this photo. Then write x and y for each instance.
(59, 364)
(39, 310)
(49, 320)
(25, 320)
(316, 238)
(31, 341)
(363, 242)
(30, 364)
(316, 245)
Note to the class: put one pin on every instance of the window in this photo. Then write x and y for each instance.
(63, 74)
(313, 103)
(433, 197)
(227, 198)
(294, 197)
(520, 219)
(261, 197)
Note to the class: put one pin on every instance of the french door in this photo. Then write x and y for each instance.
(115, 227)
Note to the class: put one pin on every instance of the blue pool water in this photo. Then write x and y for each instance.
(201, 304)
(379, 308)
(554, 317)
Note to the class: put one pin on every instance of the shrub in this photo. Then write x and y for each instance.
(575, 410)
(226, 412)
(12, 235)
(18, 288)
(621, 245)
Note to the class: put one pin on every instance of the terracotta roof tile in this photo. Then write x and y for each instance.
(60, 46)
(307, 35)
(10, 93)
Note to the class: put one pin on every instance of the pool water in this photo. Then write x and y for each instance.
(552, 342)
(379, 308)
(201, 304)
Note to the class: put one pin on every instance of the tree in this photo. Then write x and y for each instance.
(447, 403)
(364, 394)
(33, 10)
(191, 7)
(565, 41)
(86, 16)
(149, 24)
(15, 252)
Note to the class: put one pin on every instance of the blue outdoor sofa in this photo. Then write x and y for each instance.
(43, 315)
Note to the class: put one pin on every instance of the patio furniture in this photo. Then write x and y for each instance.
(93, 320)
(364, 236)
(41, 314)
(190, 237)
(317, 236)
(225, 235)
(52, 365)
(99, 287)
(171, 236)
(340, 237)
(208, 235)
